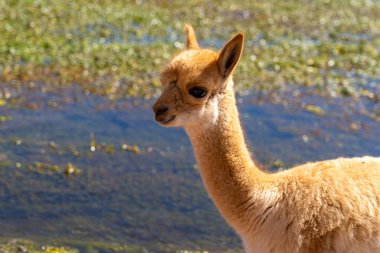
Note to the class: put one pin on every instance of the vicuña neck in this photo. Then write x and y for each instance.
(226, 167)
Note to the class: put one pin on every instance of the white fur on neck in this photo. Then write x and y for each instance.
(205, 118)
(215, 102)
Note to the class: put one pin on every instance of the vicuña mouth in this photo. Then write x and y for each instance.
(167, 121)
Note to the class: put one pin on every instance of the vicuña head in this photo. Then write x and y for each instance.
(192, 80)
(320, 207)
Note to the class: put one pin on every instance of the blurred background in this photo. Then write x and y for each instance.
(83, 166)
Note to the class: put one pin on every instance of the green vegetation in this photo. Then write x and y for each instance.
(116, 48)
(315, 109)
(27, 246)
(52, 148)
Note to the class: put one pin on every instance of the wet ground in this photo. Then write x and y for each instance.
(80, 170)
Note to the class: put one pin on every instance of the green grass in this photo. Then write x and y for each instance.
(28, 246)
(116, 48)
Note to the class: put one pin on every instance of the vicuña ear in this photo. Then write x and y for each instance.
(191, 40)
(230, 55)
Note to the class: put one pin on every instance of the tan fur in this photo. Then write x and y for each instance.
(322, 207)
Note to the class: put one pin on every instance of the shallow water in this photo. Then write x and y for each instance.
(152, 197)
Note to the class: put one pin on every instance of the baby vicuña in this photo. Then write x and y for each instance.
(320, 207)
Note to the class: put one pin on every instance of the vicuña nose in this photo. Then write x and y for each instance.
(161, 110)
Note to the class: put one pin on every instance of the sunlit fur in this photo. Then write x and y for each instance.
(323, 207)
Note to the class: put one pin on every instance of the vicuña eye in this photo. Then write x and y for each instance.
(198, 92)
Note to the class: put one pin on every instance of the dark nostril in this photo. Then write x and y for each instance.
(161, 110)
